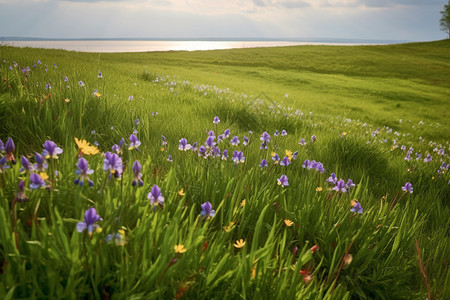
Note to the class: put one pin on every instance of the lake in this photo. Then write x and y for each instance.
(170, 45)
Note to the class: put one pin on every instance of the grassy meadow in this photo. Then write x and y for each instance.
(311, 172)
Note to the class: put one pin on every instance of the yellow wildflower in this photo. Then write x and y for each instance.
(239, 244)
(181, 192)
(67, 100)
(86, 148)
(43, 175)
(319, 189)
(243, 203)
(289, 154)
(288, 222)
(179, 248)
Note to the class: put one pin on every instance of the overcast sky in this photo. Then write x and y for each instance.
(412, 20)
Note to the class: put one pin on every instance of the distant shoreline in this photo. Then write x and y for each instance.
(212, 39)
(155, 45)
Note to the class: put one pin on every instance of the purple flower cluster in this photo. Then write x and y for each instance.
(318, 166)
(339, 185)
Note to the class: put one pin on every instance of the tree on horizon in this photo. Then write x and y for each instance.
(445, 19)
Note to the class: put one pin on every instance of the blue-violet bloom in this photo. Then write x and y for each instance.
(90, 218)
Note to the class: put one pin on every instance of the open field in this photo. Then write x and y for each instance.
(375, 117)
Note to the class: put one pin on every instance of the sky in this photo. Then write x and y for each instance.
(406, 20)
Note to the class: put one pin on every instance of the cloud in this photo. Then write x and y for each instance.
(365, 19)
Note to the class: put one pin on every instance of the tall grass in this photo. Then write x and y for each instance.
(301, 240)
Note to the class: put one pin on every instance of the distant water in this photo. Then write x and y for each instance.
(174, 45)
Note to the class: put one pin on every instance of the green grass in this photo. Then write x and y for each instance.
(350, 92)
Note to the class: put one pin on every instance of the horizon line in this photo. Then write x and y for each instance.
(349, 40)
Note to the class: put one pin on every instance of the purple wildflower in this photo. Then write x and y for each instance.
(340, 187)
(84, 172)
(137, 174)
(246, 141)
(116, 149)
(163, 140)
(134, 142)
(113, 163)
(2, 146)
(51, 150)
(202, 152)
(317, 166)
(275, 157)
(332, 179)
(306, 164)
(295, 155)
(263, 164)
(27, 166)
(36, 181)
(3, 164)
(215, 151)
(313, 138)
(211, 133)
(184, 146)
(357, 208)
(207, 210)
(100, 75)
(225, 154)
(155, 197)
(276, 133)
(9, 149)
(407, 188)
(194, 147)
(283, 132)
(216, 120)
(265, 138)
(238, 157)
(81, 83)
(285, 161)
(210, 141)
(226, 133)
(90, 218)
(283, 180)
(349, 184)
(302, 142)
(428, 158)
(220, 138)
(235, 141)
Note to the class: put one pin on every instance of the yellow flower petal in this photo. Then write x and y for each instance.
(318, 189)
(288, 222)
(243, 203)
(43, 175)
(86, 148)
(181, 192)
(239, 243)
(179, 248)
